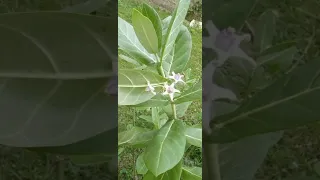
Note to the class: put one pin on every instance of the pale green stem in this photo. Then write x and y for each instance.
(174, 111)
(211, 158)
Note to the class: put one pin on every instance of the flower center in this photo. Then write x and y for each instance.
(170, 89)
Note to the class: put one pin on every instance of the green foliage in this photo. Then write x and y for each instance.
(254, 103)
(165, 135)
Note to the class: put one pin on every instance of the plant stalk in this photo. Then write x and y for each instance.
(174, 111)
(211, 158)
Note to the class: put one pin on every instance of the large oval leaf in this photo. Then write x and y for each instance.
(182, 50)
(291, 101)
(194, 136)
(167, 148)
(152, 14)
(140, 165)
(145, 31)
(174, 28)
(172, 174)
(88, 146)
(129, 43)
(53, 71)
(191, 173)
(132, 86)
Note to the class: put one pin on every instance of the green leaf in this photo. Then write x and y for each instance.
(88, 146)
(152, 14)
(182, 51)
(140, 165)
(138, 78)
(90, 159)
(234, 159)
(45, 100)
(156, 101)
(282, 59)
(192, 94)
(136, 136)
(174, 173)
(265, 31)
(194, 136)
(191, 173)
(181, 109)
(145, 31)
(129, 43)
(174, 28)
(180, 55)
(233, 13)
(86, 7)
(290, 102)
(167, 148)
(132, 85)
(129, 60)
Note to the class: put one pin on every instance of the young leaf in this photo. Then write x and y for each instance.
(140, 165)
(191, 173)
(265, 31)
(167, 148)
(174, 28)
(192, 94)
(145, 32)
(194, 136)
(152, 14)
(290, 102)
(129, 43)
(44, 82)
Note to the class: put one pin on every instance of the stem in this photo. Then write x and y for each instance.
(174, 111)
(211, 158)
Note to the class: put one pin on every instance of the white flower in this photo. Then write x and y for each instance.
(177, 77)
(150, 88)
(170, 90)
(226, 43)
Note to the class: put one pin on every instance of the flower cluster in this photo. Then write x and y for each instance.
(168, 89)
